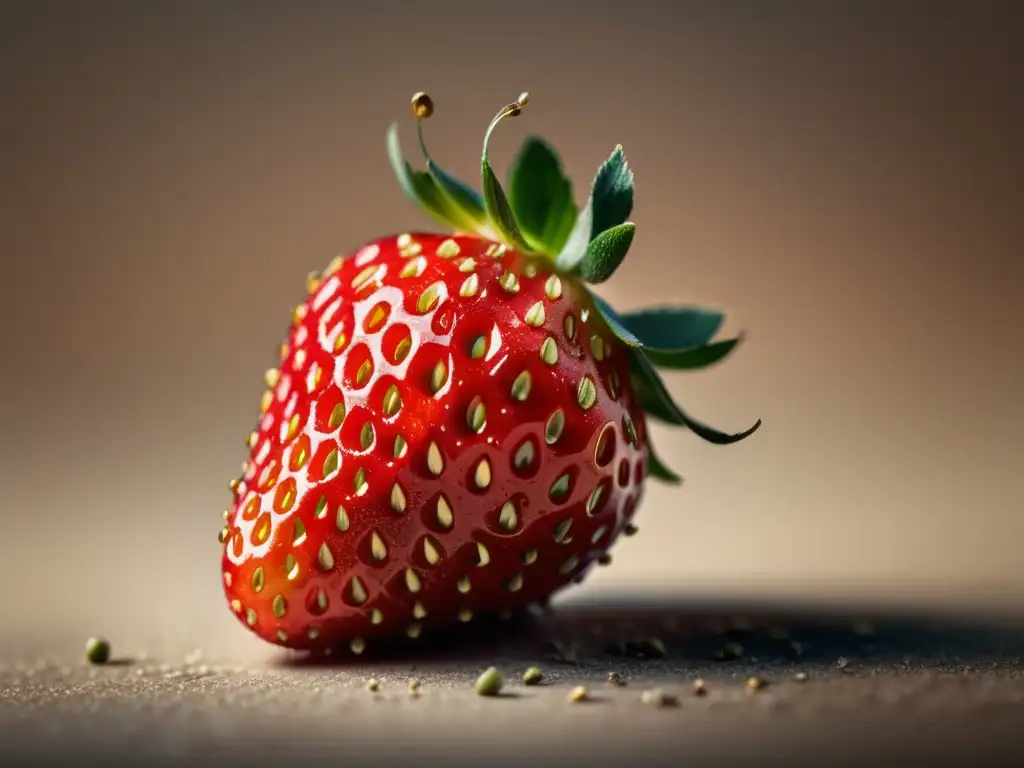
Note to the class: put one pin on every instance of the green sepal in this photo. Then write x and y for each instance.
(651, 392)
(498, 210)
(575, 248)
(694, 358)
(540, 196)
(460, 196)
(612, 193)
(657, 469)
(641, 331)
(609, 205)
(420, 187)
(614, 322)
(656, 401)
(673, 328)
(606, 252)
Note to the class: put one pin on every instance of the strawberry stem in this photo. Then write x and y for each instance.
(509, 110)
(423, 108)
(495, 202)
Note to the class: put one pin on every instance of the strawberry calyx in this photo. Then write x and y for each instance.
(538, 216)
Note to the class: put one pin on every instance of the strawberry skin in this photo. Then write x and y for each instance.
(458, 422)
(451, 432)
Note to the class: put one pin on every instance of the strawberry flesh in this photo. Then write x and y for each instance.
(451, 432)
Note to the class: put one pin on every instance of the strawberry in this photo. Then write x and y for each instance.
(457, 425)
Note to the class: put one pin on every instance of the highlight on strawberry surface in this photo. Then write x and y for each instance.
(457, 425)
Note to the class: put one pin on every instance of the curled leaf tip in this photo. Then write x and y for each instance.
(715, 437)
(749, 432)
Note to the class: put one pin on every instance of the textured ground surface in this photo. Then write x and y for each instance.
(847, 688)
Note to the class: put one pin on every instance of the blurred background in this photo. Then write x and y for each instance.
(844, 177)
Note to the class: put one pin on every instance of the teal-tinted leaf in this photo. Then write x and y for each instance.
(674, 328)
(540, 196)
(420, 187)
(460, 196)
(612, 193)
(498, 210)
(609, 204)
(614, 322)
(655, 399)
(716, 436)
(658, 469)
(606, 252)
(694, 358)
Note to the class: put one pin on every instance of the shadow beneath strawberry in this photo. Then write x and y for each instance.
(471, 642)
(656, 636)
(121, 661)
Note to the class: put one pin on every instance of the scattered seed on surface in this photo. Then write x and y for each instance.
(489, 683)
(97, 650)
(373, 685)
(578, 694)
(532, 676)
(658, 698)
(756, 683)
(800, 677)
(699, 688)
(414, 686)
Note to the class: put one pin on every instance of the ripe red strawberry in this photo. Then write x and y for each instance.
(457, 425)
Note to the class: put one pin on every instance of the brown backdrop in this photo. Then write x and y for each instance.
(844, 177)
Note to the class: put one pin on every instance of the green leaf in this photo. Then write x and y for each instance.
(657, 468)
(651, 392)
(575, 248)
(606, 252)
(717, 437)
(614, 321)
(541, 197)
(420, 187)
(609, 204)
(674, 328)
(694, 358)
(612, 193)
(460, 196)
(677, 338)
(655, 399)
(498, 210)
